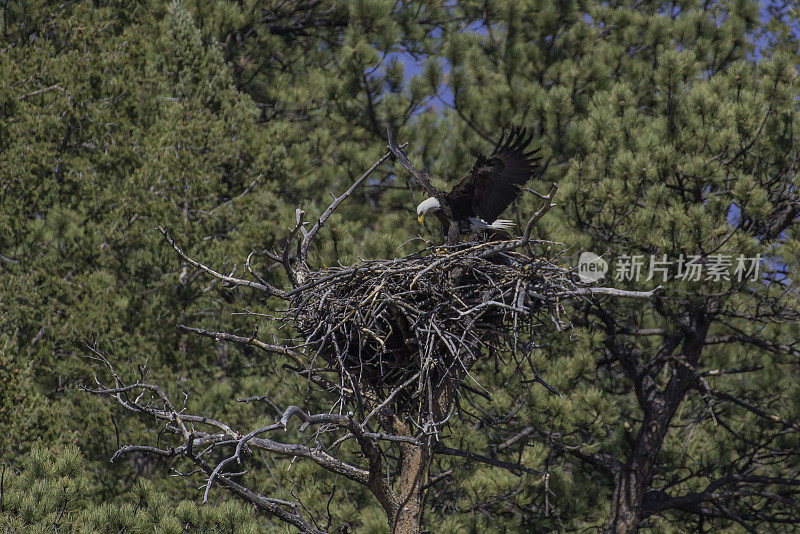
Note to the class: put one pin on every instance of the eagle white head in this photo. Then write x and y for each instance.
(429, 204)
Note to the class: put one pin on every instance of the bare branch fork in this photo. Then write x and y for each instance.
(199, 446)
(307, 238)
(389, 343)
(230, 280)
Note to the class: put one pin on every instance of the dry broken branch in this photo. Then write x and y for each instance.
(233, 281)
(548, 203)
(390, 344)
(307, 238)
(422, 179)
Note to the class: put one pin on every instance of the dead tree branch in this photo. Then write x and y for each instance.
(335, 204)
(388, 343)
(233, 281)
(422, 179)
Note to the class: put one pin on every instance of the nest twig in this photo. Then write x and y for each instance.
(403, 334)
(395, 340)
(403, 327)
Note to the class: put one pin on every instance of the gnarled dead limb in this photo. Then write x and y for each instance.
(390, 344)
(283, 350)
(614, 292)
(422, 179)
(266, 288)
(307, 238)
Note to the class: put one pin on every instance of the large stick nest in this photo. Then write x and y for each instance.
(401, 327)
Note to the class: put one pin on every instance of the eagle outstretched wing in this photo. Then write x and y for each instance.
(495, 181)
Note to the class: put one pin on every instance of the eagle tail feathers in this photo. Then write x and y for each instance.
(503, 225)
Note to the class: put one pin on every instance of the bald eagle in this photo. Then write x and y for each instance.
(493, 183)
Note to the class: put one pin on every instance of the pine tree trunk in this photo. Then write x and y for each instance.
(633, 480)
(410, 490)
(626, 504)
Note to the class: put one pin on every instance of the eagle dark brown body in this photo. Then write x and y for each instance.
(493, 183)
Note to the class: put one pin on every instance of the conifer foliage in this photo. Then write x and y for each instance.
(672, 131)
(670, 127)
(50, 492)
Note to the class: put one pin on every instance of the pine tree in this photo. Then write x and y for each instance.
(129, 125)
(50, 493)
(669, 127)
(671, 132)
(115, 119)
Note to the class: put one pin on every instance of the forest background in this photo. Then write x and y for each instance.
(670, 127)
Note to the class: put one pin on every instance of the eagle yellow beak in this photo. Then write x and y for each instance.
(421, 218)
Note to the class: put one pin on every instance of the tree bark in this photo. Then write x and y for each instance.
(635, 477)
(626, 504)
(410, 489)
